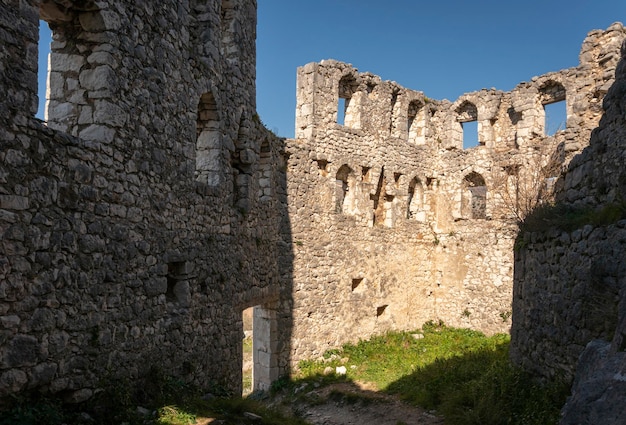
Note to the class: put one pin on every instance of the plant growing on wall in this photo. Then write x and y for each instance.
(521, 187)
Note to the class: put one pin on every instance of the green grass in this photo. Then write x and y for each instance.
(463, 374)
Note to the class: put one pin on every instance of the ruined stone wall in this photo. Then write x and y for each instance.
(569, 284)
(567, 290)
(144, 216)
(370, 264)
(152, 207)
(394, 223)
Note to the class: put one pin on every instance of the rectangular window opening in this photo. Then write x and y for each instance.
(341, 111)
(555, 117)
(356, 282)
(470, 134)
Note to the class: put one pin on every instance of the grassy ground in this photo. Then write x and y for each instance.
(462, 374)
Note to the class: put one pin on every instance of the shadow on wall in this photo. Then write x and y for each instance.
(570, 274)
(119, 250)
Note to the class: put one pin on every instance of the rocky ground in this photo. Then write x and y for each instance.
(356, 404)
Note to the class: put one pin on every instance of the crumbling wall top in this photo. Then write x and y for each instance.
(334, 97)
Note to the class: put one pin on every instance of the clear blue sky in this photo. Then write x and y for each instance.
(443, 48)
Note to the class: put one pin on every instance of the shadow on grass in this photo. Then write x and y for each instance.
(341, 400)
(460, 373)
(482, 387)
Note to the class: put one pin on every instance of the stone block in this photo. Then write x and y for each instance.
(13, 202)
(62, 63)
(156, 286)
(12, 382)
(22, 350)
(98, 133)
(99, 78)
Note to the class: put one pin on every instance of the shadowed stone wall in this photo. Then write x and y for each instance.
(152, 206)
(136, 223)
(568, 282)
(569, 313)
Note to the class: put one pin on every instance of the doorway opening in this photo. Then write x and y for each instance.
(259, 363)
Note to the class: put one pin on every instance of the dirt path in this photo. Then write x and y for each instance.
(350, 404)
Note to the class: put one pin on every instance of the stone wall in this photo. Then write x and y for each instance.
(567, 291)
(394, 223)
(568, 307)
(152, 207)
(146, 213)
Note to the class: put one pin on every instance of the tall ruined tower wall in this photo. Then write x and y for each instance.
(569, 281)
(142, 218)
(394, 223)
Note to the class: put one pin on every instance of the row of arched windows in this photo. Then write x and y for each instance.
(551, 97)
(347, 193)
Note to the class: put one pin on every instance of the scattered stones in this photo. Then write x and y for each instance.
(253, 416)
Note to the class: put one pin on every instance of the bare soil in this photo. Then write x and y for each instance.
(356, 404)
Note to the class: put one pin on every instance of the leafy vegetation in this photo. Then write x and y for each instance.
(462, 374)
(568, 217)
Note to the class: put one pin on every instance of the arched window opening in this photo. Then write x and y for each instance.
(467, 117)
(552, 97)
(209, 162)
(344, 190)
(265, 172)
(346, 110)
(474, 197)
(416, 123)
(415, 202)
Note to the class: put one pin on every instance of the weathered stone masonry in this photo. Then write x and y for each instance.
(152, 207)
(393, 222)
(567, 283)
(569, 308)
(145, 215)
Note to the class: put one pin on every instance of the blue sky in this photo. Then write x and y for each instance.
(443, 48)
